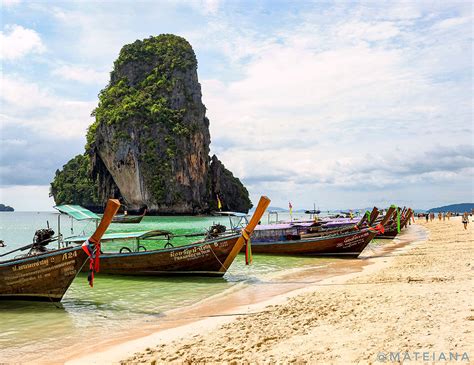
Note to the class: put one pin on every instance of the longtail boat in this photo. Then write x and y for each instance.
(45, 275)
(125, 218)
(333, 243)
(211, 256)
(397, 223)
(341, 225)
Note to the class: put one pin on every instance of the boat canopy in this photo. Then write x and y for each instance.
(230, 214)
(284, 225)
(77, 212)
(122, 236)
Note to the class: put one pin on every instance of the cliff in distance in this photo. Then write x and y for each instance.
(6, 208)
(149, 144)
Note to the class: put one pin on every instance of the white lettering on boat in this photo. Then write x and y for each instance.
(353, 240)
(22, 274)
(196, 252)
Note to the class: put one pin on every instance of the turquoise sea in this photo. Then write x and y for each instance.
(116, 304)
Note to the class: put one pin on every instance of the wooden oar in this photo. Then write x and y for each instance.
(23, 248)
(18, 249)
(261, 207)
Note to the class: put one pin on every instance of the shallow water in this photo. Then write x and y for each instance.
(116, 303)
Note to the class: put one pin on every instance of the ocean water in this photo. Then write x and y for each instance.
(116, 303)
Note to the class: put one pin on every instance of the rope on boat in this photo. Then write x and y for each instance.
(54, 303)
(217, 258)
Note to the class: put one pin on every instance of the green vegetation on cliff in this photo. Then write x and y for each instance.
(73, 184)
(129, 96)
(149, 143)
(144, 98)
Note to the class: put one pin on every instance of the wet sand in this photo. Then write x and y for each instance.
(304, 318)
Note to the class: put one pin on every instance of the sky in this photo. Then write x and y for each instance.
(338, 104)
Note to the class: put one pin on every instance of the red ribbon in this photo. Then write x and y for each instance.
(94, 260)
(379, 229)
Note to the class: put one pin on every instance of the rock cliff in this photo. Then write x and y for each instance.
(232, 193)
(149, 144)
(6, 208)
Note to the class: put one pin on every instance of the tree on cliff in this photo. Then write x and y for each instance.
(74, 185)
(149, 144)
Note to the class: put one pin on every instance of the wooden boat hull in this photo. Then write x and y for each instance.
(389, 233)
(44, 277)
(348, 245)
(205, 258)
(128, 219)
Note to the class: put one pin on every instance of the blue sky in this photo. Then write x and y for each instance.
(345, 104)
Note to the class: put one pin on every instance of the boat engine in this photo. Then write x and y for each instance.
(41, 239)
(216, 230)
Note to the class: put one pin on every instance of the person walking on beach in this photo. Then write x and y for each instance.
(431, 217)
(465, 219)
(439, 216)
(427, 217)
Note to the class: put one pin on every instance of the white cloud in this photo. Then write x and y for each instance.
(210, 6)
(453, 22)
(13, 142)
(16, 42)
(320, 102)
(81, 74)
(25, 95)
(362, 31)
(27, 198)
(313, 98)
(27, 104)
(7, 3)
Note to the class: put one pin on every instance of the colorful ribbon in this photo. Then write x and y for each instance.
(94, 260)
(398, 220)
(379, 229)
(248, 247)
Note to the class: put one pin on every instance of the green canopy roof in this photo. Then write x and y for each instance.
(77, 212)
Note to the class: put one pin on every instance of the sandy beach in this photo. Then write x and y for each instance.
(414, 303)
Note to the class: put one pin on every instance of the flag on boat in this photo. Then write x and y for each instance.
(219, 204)
(291, 207)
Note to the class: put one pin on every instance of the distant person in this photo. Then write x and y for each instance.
(465, 219)
(444, 216)
(440, 216)
(427, 216)
(2, 244)
(431, 217)
(448, 215)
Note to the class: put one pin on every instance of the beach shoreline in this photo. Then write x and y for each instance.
(214, 317)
